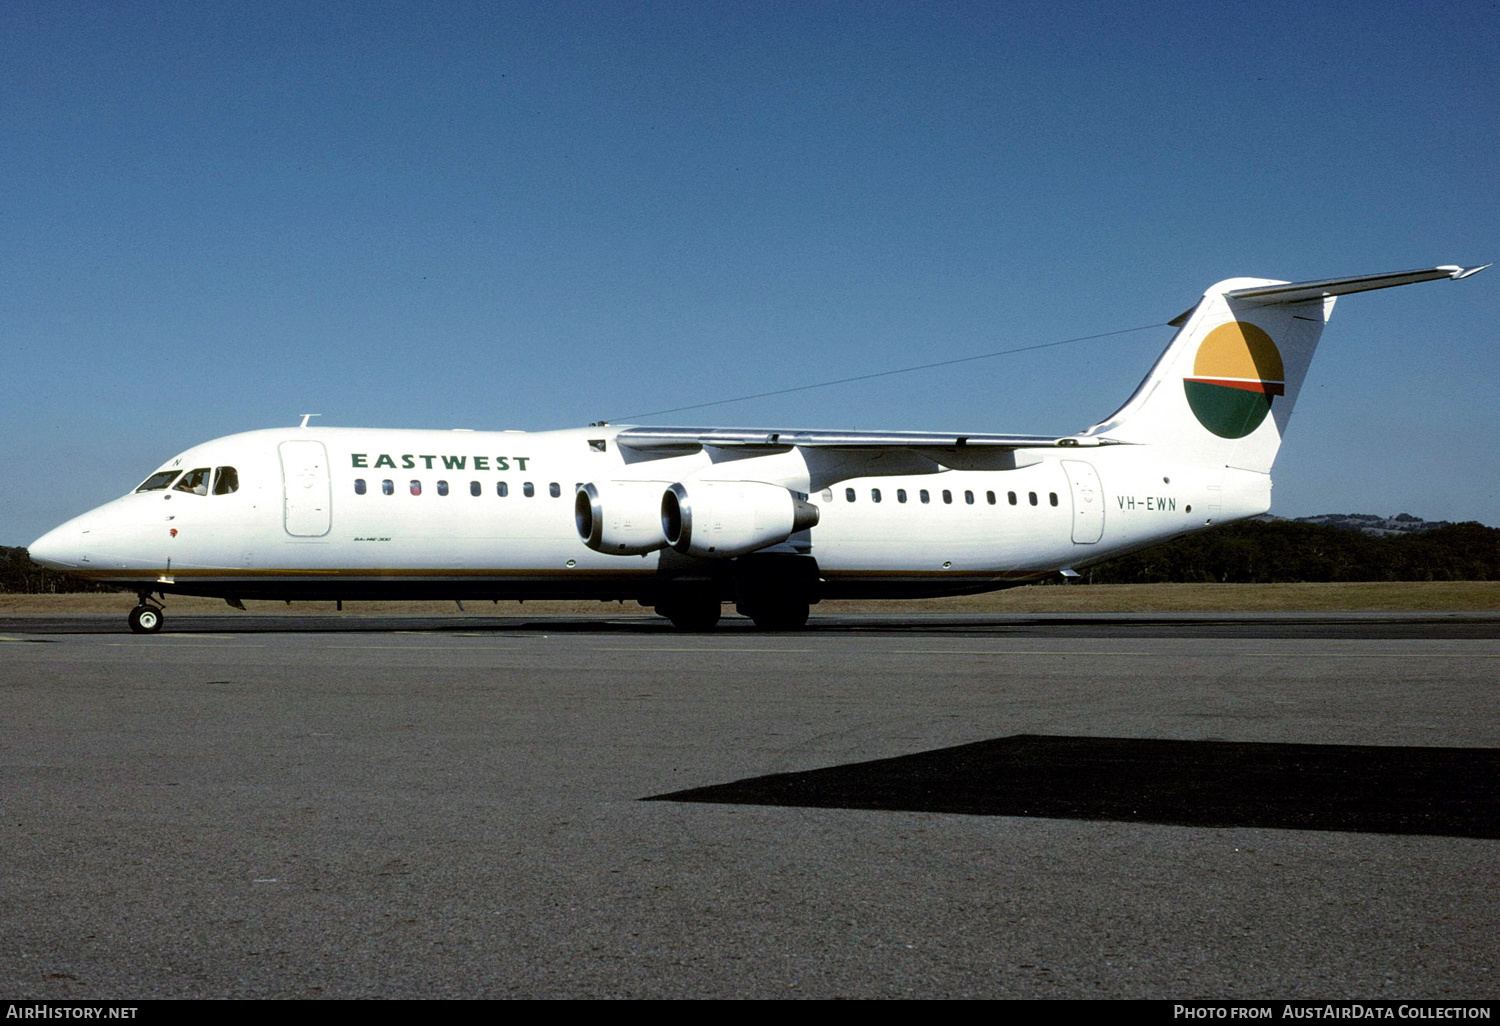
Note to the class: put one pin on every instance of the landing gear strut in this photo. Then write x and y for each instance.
(146, 618)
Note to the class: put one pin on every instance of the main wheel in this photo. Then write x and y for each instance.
(697, 616)
(145, 619)
(779, 616)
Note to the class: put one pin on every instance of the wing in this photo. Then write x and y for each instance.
(649, 438)
(836, 455)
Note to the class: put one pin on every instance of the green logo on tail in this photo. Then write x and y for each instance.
(1236, 375)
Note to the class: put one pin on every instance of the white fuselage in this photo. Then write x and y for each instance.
(355, 513)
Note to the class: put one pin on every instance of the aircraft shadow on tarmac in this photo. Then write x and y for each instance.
(1451, 792)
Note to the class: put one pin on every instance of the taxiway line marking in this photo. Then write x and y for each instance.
(711, 651)
(192, 637)
(1261, 654)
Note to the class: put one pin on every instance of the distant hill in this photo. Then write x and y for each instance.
(1376, 526)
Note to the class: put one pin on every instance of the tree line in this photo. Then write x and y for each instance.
(1252, 552)
(1285, 551)
(19, 575)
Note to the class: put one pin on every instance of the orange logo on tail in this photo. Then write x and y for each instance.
(1236, 375)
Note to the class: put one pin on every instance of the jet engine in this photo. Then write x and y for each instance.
(720, 519)
(620, 518)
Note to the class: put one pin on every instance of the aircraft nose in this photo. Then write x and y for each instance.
(58, 548)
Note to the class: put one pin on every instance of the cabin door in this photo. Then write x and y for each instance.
(308, 493)
(1088, 501)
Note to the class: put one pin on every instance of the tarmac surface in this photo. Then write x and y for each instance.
(936, 805)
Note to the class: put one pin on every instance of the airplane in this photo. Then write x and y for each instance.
(685, 519)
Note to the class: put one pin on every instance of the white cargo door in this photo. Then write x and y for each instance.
(308, 493)
(1088, 501)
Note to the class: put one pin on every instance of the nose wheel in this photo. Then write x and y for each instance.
(145, 619)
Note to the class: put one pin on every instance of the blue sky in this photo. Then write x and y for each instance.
(217, 217)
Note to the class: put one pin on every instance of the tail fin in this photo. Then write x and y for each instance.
(1222, 392)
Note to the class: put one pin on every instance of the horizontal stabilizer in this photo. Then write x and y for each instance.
(1301, 291)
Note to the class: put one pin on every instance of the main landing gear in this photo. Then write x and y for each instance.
(700, 613)
(146, 618)
(776, 590)
(692, 609)
(786, 614)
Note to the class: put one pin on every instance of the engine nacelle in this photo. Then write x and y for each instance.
(620, 518)
(720, 519)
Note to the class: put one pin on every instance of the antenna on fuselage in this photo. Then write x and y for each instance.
(307, 417)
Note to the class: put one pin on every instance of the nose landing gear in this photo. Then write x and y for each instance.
(146, 618)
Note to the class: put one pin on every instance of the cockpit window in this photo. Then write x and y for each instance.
(226, 480)
(195, 481)
(159, 480)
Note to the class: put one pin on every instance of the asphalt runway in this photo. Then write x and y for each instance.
(1160, 806)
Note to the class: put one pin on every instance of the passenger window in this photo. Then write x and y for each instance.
(924, 496)
(502, 489)
(848, 494)
(195, 481)
(388, 487)
(359, 486)
(528, 489)
(947, 497)
(442, 487)
(554, 489)
(827, 494)
(1052, 496)
(969, 497)
(1012, 497)
(416, 487)
(874, 494)
(990, 496)
(474, 488)
(226, 481)
(900, 494)
(1032, 496)
(159, 480)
